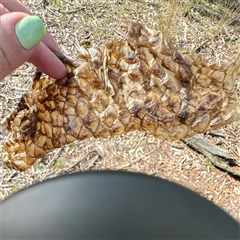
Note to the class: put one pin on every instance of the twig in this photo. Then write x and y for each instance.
(217, 133)
(7, 185)
(84, 159)
(92, 162)
(9, 98)
(55, 157)
(12, 175)
(136, 160)
(71, 11)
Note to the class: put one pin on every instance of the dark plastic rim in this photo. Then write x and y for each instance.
(112, 205)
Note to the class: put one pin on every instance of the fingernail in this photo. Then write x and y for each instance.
(30, 31)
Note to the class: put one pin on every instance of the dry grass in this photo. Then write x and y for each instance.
(196, 26)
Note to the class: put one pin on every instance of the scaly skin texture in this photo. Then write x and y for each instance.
(137, 84)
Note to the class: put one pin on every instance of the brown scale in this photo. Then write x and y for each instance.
(137, 84)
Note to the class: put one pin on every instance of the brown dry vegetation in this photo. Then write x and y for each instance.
(211, 28)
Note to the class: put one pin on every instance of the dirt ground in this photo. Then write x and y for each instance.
(194, 27)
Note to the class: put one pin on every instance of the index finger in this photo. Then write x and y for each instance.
(17, 6)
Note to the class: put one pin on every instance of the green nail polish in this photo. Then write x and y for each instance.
(30, 31)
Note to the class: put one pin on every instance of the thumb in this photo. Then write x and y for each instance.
(21, 42)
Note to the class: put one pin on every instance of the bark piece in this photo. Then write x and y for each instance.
(221, 158)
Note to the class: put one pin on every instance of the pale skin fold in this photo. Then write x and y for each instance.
(137, 84)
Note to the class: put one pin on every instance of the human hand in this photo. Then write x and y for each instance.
(24, 39)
